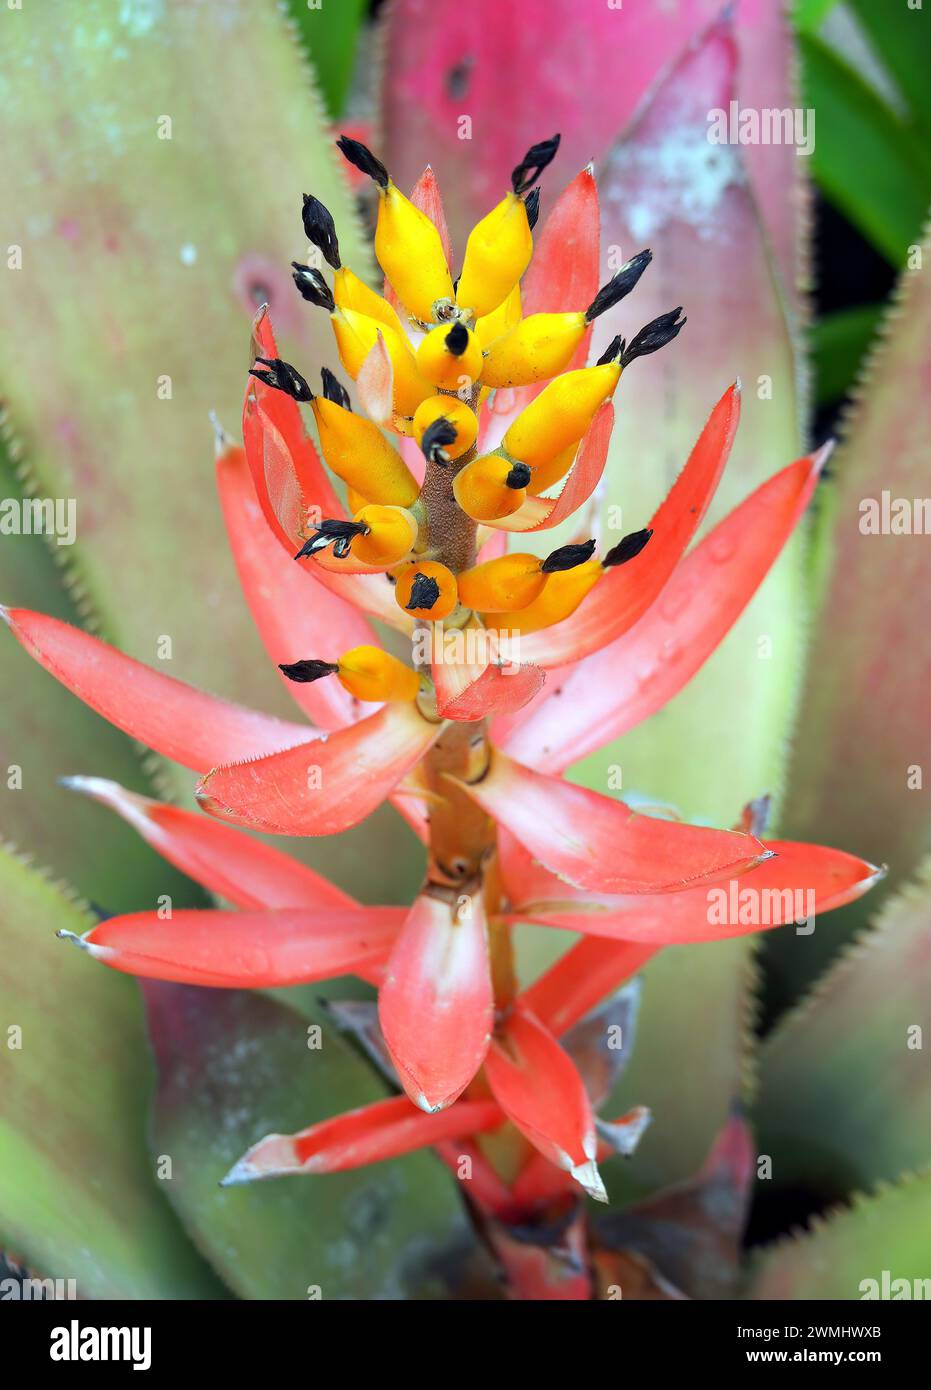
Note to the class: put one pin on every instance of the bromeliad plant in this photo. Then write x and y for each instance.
(505, 667)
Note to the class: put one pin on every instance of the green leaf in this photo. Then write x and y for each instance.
(46, 733)
(901, 35)
(845, 1256)
(719, 743)
(330, 32)
(808, 15)
(235, 1066)
(143, 258)
(840, 342)
(688, 1063)
(78, 1194)
(867, 161)
(863, 746)
(844, 1099)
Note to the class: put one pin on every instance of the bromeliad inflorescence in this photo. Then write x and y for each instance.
(520, 664)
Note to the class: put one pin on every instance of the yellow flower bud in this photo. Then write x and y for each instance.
(497, 254)
(460, 415)
(410, 252)
(372, 674)
(510, 582)
(561, 414)
(356, 335)
(426, 589)
(544, 344)
(559, 598)
(352, 293)
(507, 316)
(567, 585)
(491, 487)
(359, 453)
(450, 356)
(355, 501)
(539, 347)
(391, 534)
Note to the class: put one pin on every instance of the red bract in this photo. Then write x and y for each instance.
(436, 1005)
(509, 1081)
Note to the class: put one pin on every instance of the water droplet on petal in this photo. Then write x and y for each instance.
(673, 604)
(721, 549)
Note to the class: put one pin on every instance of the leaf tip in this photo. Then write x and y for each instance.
(820, 457)
(84, 944)
(589, 1179)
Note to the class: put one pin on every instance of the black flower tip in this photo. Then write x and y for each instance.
(532, 204)
(284, 377)
(320, 230)
(627, 548)
(333, 389)
(339, 534)
(533, 163)
(568, 556)
(424, 592)
(457, 339)
(306, 671)
(654, 336)
(612, 352)
(518, 477)
(313, 287)
(621, 284)
(435, 437)
(361, 156)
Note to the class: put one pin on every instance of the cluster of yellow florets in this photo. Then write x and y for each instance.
(461, 341)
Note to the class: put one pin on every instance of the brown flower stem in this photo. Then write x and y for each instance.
(500, 941)
(462, 844)
(450, 534)
(461, 833)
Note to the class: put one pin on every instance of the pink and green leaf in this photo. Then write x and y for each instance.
(88, 383)
(863, 741)
(844, 1100)
(666, 186)
(452, 61)
(78, 1195)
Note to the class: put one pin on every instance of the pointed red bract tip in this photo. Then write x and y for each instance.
(540, 1091)
(370, 1134)
(247, 949)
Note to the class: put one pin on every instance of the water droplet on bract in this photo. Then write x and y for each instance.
(673, 604)
(721, 549)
